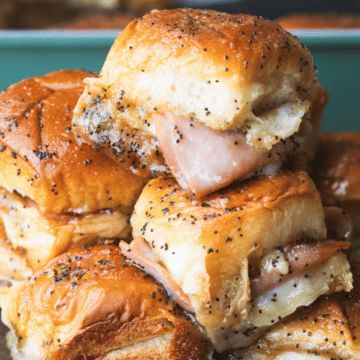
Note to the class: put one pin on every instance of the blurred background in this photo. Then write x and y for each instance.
(38, 36)
(25, 14)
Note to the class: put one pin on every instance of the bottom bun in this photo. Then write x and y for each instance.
(90, 303)
(41, 237)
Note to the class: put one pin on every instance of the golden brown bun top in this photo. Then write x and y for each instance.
(264, 191)
(227, 71)
(237, 43)
(221, 234)
(166, 213)
(337, 170)
(90, 301)
(319, 21)
(40, 157)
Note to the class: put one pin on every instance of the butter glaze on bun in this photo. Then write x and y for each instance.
(89, 303)
(41, 159)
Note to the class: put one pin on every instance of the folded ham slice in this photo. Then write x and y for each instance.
(143, 256)
(300, 258)
(205, 160)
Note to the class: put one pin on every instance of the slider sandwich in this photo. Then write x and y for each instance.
(90, 304)
(327, 330)
(207, 96)
(54, 192)
(240, 259)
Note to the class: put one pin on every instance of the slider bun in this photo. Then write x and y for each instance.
(228, 71)
(337, 170)
(89, 303)
(41, 159)
(206, 244)
(329, 328)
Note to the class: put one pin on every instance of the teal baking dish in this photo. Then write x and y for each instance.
(337, 56)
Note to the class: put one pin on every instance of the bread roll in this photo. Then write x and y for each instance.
(41, 159)
(55, 191)
(178, 84)
(90, 303)
(216, 255)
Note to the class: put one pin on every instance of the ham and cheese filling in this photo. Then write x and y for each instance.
(41, 237)
(221, 157)
(284, 264)
(142, 255)
(204, 160)
(275, 268)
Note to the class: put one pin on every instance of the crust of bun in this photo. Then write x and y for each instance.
(41, 159)
(91, 303)
(207, 244)
(337, 170)
(329, 328)
(228, 71)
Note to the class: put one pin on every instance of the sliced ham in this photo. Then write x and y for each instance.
(300, 258)
(205, 160)
(142, 255)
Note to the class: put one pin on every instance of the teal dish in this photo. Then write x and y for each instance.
(337, 56)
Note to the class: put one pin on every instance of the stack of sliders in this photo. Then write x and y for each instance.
(223, 112)
(57, 194)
